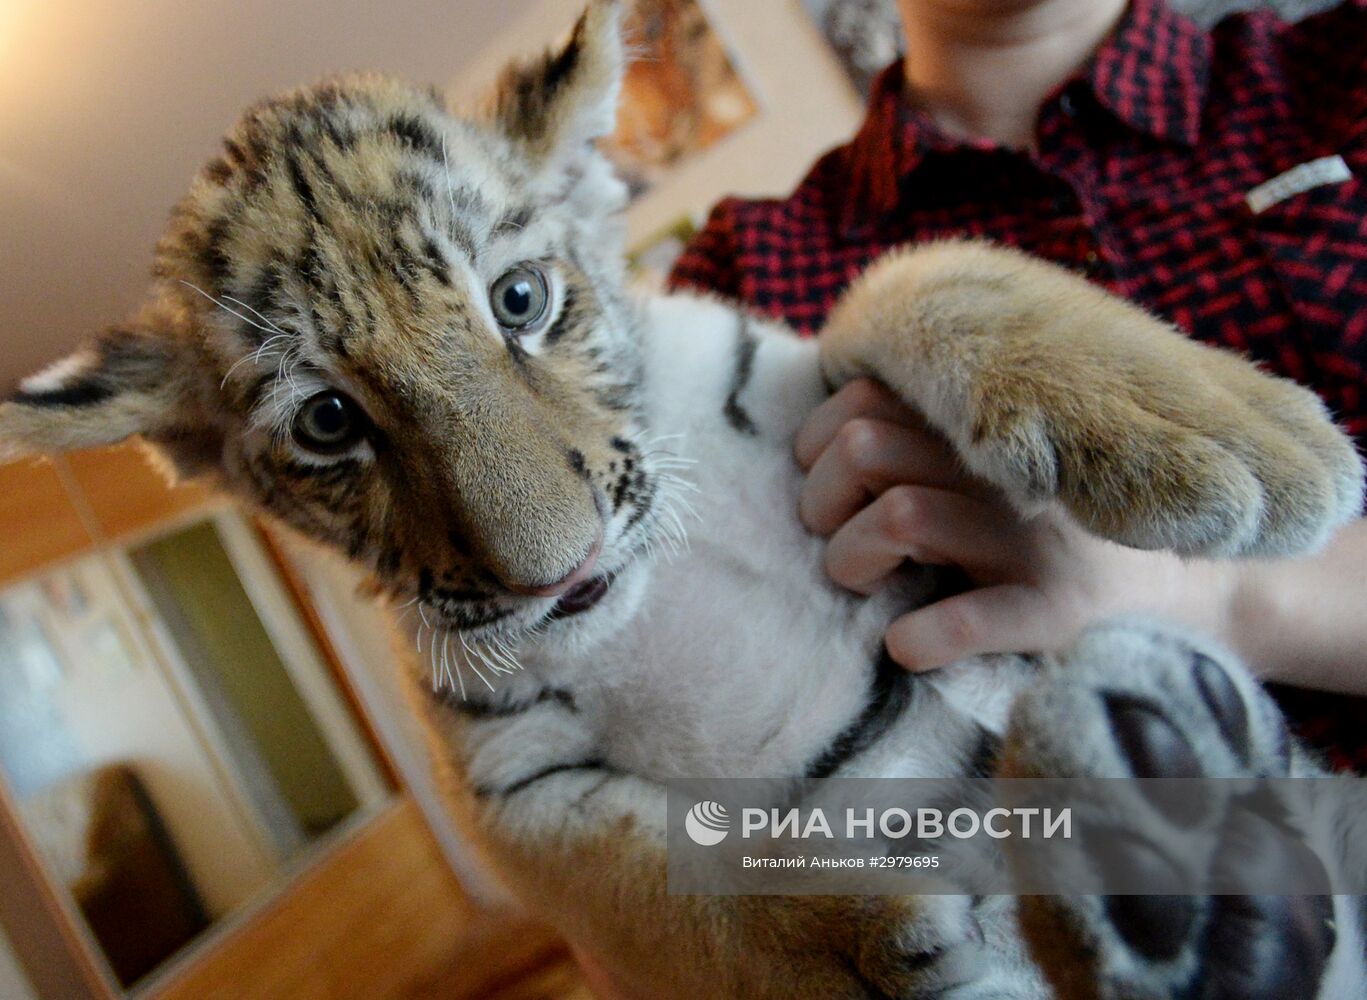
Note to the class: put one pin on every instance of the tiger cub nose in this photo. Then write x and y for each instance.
(575, 577)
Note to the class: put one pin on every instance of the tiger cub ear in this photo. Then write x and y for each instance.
(557, 105)
(123, 383)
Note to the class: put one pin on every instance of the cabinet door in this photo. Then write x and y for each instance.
(191, 803)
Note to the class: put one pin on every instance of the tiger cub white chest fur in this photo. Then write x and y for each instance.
(737, 656)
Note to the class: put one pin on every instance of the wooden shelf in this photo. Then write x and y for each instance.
(126, 494)
(39, 523)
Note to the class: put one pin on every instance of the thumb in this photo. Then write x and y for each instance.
(1009, 618)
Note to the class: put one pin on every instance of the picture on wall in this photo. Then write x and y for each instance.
(866, 35)
(682, 93)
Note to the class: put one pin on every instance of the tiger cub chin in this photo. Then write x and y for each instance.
(407, 335)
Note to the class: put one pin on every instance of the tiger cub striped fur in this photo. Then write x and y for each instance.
(407, 335)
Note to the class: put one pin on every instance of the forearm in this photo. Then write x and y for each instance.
(1304, 621)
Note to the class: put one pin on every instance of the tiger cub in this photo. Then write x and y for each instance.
(408, 335)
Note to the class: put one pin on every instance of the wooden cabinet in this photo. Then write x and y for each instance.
(39, 521)
(374, 916)
(372, 912)
(126, 495)
(51, 510)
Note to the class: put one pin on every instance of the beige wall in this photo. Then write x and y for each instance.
(108, 108)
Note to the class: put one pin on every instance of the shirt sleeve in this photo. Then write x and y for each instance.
(709, 263)
(1326, 54)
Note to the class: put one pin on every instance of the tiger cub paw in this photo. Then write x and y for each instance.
(1141, 699)
(1056, 391)
(1209, 457)
(920, 946)
(878, 947)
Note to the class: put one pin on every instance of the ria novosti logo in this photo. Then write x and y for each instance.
(707, 823)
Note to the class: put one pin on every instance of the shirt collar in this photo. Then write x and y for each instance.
(1150, 73)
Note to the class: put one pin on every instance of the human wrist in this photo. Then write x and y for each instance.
(1198, 593)
(1254, 617)
(1207, 595)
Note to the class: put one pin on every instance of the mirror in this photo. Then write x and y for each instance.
(173, 735)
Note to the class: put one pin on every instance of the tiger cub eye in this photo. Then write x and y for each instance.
(328, 423)
(520, 298)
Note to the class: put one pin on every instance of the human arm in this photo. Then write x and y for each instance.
(885, 488)
(1303, 621)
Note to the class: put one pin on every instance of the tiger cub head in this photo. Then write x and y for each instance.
(404, 333)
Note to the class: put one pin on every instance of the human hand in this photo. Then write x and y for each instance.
(884, 488)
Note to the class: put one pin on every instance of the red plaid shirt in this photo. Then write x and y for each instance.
(1144, 160)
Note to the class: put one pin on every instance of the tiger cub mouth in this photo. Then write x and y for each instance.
(580, 598)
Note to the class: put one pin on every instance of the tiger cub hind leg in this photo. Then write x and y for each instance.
(586, 844)
(1055, 390)
(1138, 698)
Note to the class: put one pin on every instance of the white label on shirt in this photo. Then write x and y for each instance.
(1316, 173)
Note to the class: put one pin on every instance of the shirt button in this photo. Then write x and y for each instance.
(1094, 266)
(1067, 105)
